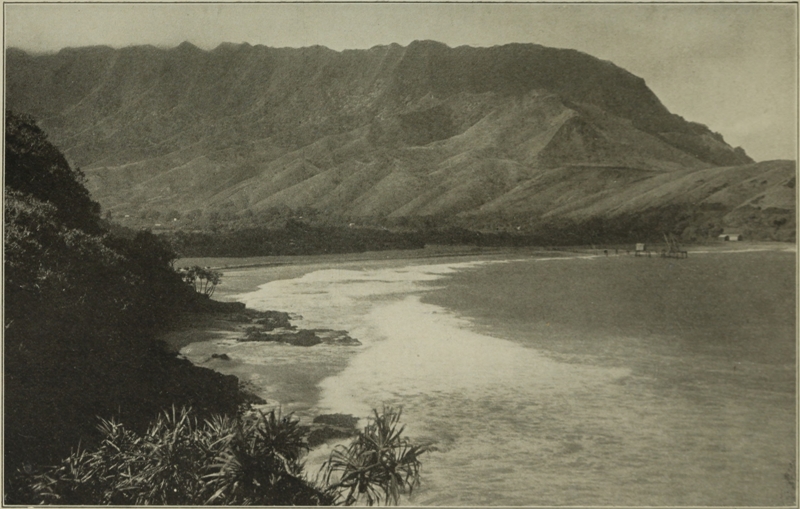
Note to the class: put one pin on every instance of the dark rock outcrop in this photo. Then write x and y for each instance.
(300, 337)
(331, 427)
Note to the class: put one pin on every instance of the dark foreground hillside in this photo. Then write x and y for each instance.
(97, 412)
(81, 307)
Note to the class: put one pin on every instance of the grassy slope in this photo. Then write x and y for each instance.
(392, 131)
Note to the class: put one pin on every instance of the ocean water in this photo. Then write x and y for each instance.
(553, 381)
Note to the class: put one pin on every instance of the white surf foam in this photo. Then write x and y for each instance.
(337, 298)
(422, 349)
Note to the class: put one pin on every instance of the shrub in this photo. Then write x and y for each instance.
(261, 465)
(377, 466)
(163, 466)
(178, 462)
(252, 460)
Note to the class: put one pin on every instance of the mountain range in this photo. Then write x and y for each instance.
(503, 137)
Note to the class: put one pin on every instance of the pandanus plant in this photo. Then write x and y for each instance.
(378, 466)
(228, 461)
(261, 464)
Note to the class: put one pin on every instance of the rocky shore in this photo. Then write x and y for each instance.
(233, 320)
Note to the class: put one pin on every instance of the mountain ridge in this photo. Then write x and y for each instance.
(389, 132)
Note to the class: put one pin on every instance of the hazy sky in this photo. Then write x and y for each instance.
(731, 67)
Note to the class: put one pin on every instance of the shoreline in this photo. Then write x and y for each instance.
(323, 430)
(202, 326)
(438, 251)
(431, 252)
(235, 279)
(197, 327)
(209, 326)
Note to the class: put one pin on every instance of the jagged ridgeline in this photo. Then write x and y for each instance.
(518, 137)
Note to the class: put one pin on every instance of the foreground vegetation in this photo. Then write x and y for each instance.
(82, 304)
(81, 307)
(251, 460)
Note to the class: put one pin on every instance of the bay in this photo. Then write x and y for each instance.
(551, 381)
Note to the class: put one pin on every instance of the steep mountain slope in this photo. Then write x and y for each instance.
(390, 132)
